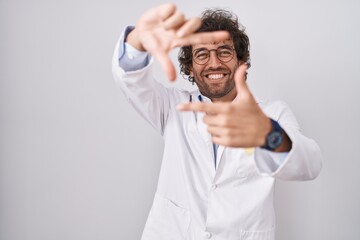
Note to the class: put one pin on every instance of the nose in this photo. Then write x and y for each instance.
(213, 59)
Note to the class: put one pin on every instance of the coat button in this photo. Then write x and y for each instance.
(207, 235)
(213, 187)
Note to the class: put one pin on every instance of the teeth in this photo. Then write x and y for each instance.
(215, 76)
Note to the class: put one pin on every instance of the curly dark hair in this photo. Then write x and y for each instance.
(214, 20)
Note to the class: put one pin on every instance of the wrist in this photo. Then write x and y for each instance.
(266, 129)
(133, 39)
(274, 137)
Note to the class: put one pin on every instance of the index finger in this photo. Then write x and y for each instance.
(203, 37)
(166, 64)
(209, 108)
(189, 27)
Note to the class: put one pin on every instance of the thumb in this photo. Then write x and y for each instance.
(240, 82)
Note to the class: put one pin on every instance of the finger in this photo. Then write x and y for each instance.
(213, 119)
(240, 82)
(166, 64)
(220, 120)
(230, 141)
(157, 14)
(209, 108)
(189, 27)
(165, 11)
(240, 77)
(175, 21)
(220, 140)
(219, 131)
(214, 131)
(199, 38)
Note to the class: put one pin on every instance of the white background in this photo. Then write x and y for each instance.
(77, 162)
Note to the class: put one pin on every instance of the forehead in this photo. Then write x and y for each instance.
(213, 45)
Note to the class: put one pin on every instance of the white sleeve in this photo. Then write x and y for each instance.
(135, 80)
(131, 59)
(303, 162)
(270, 161)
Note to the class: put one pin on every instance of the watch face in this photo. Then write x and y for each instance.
(274, 140)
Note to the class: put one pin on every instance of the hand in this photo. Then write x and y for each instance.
(240, 123)
(163, 28)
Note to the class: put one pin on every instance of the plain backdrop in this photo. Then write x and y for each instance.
(78, 163)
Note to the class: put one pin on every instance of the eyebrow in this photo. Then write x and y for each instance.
(199, 49)
(203, 48)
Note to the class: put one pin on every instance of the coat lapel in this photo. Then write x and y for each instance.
(219, 154)
(205, 135)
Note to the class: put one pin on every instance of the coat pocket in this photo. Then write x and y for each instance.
(166, 220)
(258, 235)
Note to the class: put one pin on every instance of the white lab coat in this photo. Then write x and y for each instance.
(194, 200)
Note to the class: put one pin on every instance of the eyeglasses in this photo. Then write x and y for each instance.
(202, 55)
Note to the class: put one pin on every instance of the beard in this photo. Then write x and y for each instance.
(215, 88)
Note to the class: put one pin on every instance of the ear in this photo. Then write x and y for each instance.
(191, 72)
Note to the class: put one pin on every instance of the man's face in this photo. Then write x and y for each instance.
(215, 78)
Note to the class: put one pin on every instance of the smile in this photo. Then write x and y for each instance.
(215, 76)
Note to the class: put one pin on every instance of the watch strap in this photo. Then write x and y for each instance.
(274, 138)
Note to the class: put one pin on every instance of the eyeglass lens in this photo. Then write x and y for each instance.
(223, 53)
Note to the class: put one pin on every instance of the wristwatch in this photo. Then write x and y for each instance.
(274, 138)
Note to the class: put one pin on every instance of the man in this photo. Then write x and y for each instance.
(223, 150)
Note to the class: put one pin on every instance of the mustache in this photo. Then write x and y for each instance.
(212, 70)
